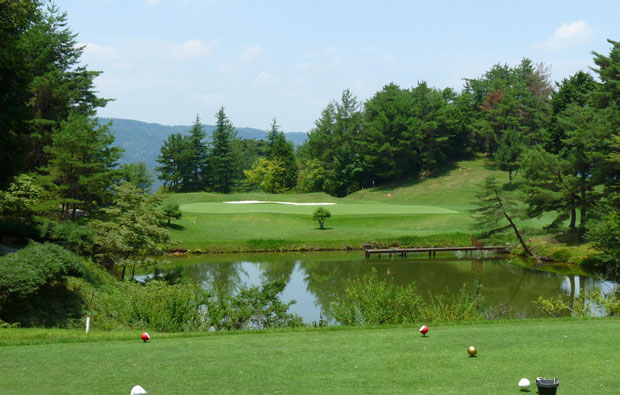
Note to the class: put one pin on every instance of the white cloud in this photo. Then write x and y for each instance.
(250, 53)
(567, 36)
(193, 49)
(298, 81)
(99, 51)
(334, 59)
(387, 60)
(305, 66)
(265, 78)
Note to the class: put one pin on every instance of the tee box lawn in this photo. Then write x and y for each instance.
(583, 354)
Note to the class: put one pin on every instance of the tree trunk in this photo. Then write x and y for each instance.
(168, 221)
(582, 219)
(573, 216)
(123, 273)
(514, 227)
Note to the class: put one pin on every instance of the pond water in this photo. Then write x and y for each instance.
(315, 279)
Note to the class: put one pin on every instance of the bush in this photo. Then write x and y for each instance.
(26, 271)
(32, 287)
(591, 304)
(605, 234)
(254, 307)
(156, 305)
(77, 238)
(371, 301)
(159, 306)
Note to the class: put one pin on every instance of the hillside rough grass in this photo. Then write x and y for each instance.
(421, 208)
(430, 211)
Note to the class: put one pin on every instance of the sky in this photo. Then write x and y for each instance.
(166, 61)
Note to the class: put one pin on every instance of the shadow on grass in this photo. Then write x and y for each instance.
(572, 237)
(323, 228)
(414, 180)
(492, 166)
(176, 227)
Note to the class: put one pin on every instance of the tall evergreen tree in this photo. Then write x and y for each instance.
(278, 148)
(58, 84)
(16, 18)
(173, 161)
(607, 100)
(221, 161)
(82, 159)
(194, 174)
(575, 89)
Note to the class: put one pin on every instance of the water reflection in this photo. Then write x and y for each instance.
(314, 280)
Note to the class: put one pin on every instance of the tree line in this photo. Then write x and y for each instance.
(560, 142)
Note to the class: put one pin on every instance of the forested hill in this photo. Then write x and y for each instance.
(142, 141)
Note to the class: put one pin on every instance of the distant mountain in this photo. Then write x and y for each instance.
(142, 141)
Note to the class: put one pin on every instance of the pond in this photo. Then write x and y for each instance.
(315, 279)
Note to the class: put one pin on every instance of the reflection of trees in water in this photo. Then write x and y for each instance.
(223, 276)
(502, 282)
(276, 270)
(326, 281)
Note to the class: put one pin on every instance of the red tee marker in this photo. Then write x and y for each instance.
(145, 337)
(424, 330)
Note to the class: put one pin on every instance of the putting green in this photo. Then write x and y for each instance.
(336, 209)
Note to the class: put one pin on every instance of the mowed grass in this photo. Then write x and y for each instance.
(429, 206)
(581, 353)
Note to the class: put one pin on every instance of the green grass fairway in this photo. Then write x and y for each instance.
(338, 209)
(581, 353)
(421, 208)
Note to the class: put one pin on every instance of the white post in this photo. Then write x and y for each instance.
(87, 324)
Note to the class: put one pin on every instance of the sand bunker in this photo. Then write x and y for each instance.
(291, 203)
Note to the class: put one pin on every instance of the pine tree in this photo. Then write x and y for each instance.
(278, 148)
(194, 173)
(81, 164)
(173, 160)
(58, 84)
(16, 17)
(221, 161)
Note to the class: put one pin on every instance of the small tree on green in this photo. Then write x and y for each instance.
(171, 210)
(320, 214)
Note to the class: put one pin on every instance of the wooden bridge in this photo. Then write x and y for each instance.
(432, 251)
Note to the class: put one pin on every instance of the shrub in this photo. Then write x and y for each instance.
(26, 271)
(77, 238)
(591, 304)
(254, 307)
(32, 287)
(188, 307)
(156, 305)
(372, 301)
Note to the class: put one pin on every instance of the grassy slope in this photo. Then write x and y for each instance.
(389, 360)
(368, 215)
(429, 211)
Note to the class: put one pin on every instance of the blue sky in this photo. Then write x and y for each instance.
(165, 61)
